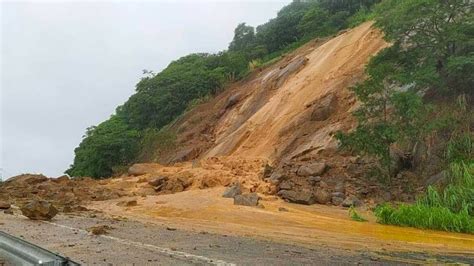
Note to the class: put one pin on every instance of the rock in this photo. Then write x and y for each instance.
(8, 211)
(322, 196)
(387, 196)
(323, 109)
(338, 194)
(185, 155)
(99, 229)
(282, 209)
(232, 100)
(351, 201)
(302, 197)
(267, 170)
(138, 169)
(232, 191)
(277, 177)
(67, 209)
(340, 187)
(419, 153)
(39, 210)
(337, 200)
(293, 67)
(4, 205)
(398, 161)
(314, 169)
(286, 185)
(158, 181)
(127, 203)
(314, 179)
(249, 199)
(437, 179)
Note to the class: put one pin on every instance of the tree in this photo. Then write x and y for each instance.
(244, 38)
(110, 144)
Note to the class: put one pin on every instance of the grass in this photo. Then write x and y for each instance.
(355, 216)
(448, 209)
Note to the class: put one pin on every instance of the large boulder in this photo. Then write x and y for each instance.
(351, 202)
(4, 205)
(39, 210)
(140, 169)
(437, 179)
(314, 169)
(249, 199)
(301, 197)
(323, 109)
(322, 196)
(158, 181)
(232, 100)
(276, 177)
(232, 191)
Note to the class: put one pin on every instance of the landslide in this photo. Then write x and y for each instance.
(286, 114)
(273, 133)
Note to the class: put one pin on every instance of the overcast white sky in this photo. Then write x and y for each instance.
(67, 65)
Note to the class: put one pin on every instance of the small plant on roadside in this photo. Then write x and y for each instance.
(355, 216)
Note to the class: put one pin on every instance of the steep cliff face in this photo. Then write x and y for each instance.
(287, 114)
(288, 110)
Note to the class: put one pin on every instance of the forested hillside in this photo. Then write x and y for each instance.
(162, 97)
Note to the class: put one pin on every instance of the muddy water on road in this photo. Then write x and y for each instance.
(206, 210)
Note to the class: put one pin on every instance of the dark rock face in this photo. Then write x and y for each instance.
(232, 191)
(324, 108)
(39, 210)
(322, 196)
(314, 169)
(250, 199)
(301, 197)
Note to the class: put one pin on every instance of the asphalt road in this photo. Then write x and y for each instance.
(136, 243)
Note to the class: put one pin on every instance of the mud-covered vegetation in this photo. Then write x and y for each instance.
(161, 98)
(420, 89)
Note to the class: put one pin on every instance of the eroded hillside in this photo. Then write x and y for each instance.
(287, 114)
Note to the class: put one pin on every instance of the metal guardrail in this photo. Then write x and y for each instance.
(16, 251)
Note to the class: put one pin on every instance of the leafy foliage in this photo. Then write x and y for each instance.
(431, 51)
(105, 146)
(161, 98)
(355, 216)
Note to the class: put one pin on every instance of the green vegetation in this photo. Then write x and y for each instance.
(449, 209)
(135, 130)
(421, 86)
(355, 216)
